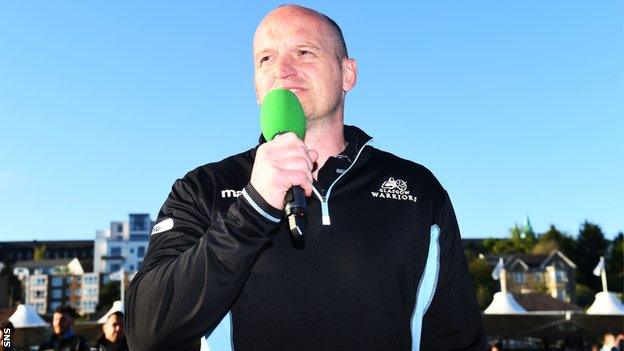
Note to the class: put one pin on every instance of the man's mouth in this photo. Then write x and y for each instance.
(294, 89)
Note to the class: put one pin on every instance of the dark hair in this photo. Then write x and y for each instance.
(119, 315)
(68, 310)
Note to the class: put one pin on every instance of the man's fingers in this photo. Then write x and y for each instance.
(313, 154)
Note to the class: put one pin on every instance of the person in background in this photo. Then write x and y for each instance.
(114, 337)
(609, 343)
(63, 336)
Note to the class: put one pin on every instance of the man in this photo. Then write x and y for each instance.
(381, 266)
(113, 338)
(64, 338)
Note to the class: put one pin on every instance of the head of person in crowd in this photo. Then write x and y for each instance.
(304, 51)
(113, 328)
(63, 320)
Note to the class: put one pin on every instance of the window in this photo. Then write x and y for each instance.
(115, 251)
(115, 267)
(54, 305)
(56, 294)
(561, 277)
(141, 251)
(119, 228)
(57, 282)
(518, 277)
(138, 225)
(139, 264)
(131, 267)
(538, 277)
(132, 250)
(67, 293)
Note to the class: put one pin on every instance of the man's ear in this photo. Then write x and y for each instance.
(349, 73)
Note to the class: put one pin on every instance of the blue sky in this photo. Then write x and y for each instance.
(517, 107)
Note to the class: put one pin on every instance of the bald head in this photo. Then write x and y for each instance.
(329, 25)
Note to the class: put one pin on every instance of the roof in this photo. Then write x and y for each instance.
(49, 244)
(535, 262)
(606, 303)
(504, 303)
(50, 263)
(543, 302)
(26, 316)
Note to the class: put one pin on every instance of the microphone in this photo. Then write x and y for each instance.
(281, 112)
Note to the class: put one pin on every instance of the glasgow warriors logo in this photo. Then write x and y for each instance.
(394, 189)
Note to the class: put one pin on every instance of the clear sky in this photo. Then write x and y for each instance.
(516, 106)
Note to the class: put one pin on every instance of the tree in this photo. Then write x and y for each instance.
(591, 244)
(14, 285)
(615, 264)
(39, 252)
(553, 239)
(485, 286)
(523, 238)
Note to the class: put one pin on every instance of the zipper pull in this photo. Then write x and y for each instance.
(325, 208)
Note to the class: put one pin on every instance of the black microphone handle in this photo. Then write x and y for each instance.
(295, 210)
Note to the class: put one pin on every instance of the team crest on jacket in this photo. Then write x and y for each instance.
(394, 189)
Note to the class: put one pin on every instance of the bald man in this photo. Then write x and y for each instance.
(381, 266)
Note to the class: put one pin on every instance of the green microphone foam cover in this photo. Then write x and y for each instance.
(281, 112)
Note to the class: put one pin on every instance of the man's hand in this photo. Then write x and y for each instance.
(281, 164)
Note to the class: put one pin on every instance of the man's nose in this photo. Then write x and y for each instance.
(284, 67)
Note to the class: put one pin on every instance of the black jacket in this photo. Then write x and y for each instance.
(382, 266)
(72, 342)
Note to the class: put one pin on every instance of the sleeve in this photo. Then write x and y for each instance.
(453, 319)
(194, 269)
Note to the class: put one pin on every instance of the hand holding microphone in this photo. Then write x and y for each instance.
(282, 171)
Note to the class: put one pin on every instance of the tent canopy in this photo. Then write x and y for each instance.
(25, 316)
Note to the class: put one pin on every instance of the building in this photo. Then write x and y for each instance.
(123, 245)
(553, 274)
(54, 282)
(12, 251)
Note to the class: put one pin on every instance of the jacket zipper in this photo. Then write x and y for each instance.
(324, 197)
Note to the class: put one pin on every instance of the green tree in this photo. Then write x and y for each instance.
(39, 252)
(485, 286)
(15, 286)
(615, 264)
(591, 244)
(523, 239)
(584, 295)
(553, 239)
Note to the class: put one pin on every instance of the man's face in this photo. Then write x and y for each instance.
(296, 50)
(61, 323)
(113, 328)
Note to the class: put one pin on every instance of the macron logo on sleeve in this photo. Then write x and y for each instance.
(230, 193)
(163, 226)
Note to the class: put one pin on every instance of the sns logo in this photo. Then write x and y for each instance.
(394, 189)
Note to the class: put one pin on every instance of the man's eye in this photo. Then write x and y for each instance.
(305, 53)
(264, 59)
